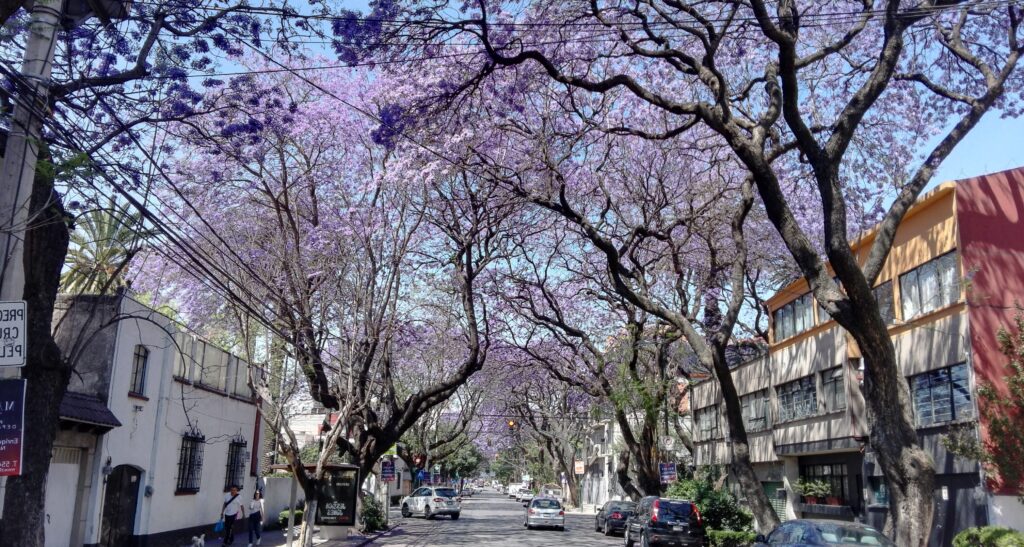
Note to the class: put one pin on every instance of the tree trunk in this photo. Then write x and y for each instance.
(740, 463)
(908, 468)
(46, 372)
(622, 474)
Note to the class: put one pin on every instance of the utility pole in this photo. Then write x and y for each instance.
(19, 164)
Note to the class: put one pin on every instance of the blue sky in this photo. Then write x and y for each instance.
(995, 144)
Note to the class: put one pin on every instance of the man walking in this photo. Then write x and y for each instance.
(232, 510)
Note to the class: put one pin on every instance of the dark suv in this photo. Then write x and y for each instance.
(664, 521)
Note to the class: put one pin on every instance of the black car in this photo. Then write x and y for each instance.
(664, 521)
(824, 532)
(612, 516)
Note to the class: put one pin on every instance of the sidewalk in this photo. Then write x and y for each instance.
(277, 538)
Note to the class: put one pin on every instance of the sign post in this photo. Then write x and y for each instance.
(12, 426)
(12, 334)
(668, 472)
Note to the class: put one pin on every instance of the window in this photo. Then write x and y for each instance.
(755, 410)
(930, 286)
(942, 395)
(190, 462)
(797, 399)
(880, 491)
(883, 295)
(139, 370)
(707, 424)
(832, 473)
(183, 355)
(235, 473)
(833, 389)
(794, 318)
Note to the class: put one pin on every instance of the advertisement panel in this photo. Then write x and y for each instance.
(12, 426)
(336, 498)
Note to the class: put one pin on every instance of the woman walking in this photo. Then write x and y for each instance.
(256, 518)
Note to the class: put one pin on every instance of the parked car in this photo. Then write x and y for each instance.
(524, 495)
(513, 489)
(430, 502)
(824, 532)
(665, 521)
(544, 512)
(612, 516)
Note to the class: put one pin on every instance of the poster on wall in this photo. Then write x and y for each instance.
(12, 426)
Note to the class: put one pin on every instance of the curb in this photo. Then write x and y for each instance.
(376, 535)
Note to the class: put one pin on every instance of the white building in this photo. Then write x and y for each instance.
(155, 427)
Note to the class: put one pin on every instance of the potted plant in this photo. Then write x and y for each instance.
(813, 490)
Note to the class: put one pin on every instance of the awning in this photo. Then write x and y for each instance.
(86, 413)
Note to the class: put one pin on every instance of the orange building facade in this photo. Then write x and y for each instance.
(953, 279)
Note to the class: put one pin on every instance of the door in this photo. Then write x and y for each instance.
(119, 505)
(60, 506)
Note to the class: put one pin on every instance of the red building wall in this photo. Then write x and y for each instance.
(990, 215)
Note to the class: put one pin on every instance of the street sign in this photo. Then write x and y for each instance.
(668, 443)
(12, 426)
(387, 470)
(12, 334)
(668, 472)
(581, 468)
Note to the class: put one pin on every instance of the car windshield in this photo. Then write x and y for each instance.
(445, 492)
(838, 534)
(678, 509)
(546, 504)
(622, 506)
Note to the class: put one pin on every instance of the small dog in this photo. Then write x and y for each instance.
(199, 541)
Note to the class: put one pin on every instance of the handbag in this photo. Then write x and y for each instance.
(219, 527)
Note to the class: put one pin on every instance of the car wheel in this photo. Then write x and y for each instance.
(406, 513)
(455, 516)
(607, 529)
(427, 514)
(629, 542)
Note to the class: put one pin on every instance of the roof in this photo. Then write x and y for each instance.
(87, 409)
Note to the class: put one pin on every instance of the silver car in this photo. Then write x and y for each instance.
(430, 502)
(544, 512)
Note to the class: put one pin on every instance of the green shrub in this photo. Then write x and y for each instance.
(282, 519)
(989, 536)
(729, 538)
(718, 506)
(373, 515)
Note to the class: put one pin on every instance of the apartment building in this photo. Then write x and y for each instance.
(953, 278)
(156, 425)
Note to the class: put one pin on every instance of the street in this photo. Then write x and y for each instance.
(489, 519)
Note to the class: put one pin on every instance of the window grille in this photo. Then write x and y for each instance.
(832, 473)
(930, 286)
(797, 399)
(190, 461)
(755, 411)
(707, 424)
(139, 370)
(235, 473)
(942, 395)
(883, 295)
(793, 318)
(834, 389)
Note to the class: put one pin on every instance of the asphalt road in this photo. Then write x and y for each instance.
(489, 518)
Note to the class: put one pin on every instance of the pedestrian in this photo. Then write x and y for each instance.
(256, 518)
(232, 509)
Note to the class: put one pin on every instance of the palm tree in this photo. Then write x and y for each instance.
(102, 244)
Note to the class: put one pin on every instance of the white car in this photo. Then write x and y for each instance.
(545, 512)
(430, 502)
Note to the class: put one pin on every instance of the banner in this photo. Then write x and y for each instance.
(668, 472)
(387, 470)
(12, 426)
